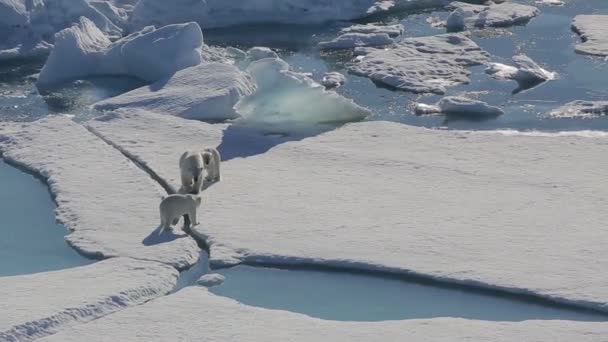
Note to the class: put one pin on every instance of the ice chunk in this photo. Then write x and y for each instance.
(527, 73)
(353, 40)
(108, 203)
(421, 65)
(460, 106)
(392, 30)
(41, 304)
(495, 15)
(581, 109)
(13, 12)
(551, 2)
(333, 80)
(592, 29)
(83, 50)
(209, 280)
(208, 91)
(260, 52)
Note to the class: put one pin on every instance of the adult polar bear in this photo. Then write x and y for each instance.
(193, 163)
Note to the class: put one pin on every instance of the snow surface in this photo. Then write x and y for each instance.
(421, 65)
(40, 304)
(526, 73)
(195, 314)
(581, 109)
(392, 30)
(109, 204)
(460, 106)
(211, 279)
(386, 196)
(222, 13)
(495, 15)
(592, 29)
(353, 40)
(208, 91)
(151, 54)
(332, 80)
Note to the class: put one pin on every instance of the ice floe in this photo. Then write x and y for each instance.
(592, 29)
(353, 40)
(208, 91)
(40, 304)
(83, 51)
(495, 14)
(392, 30)
(209, 280)
(581, 109)
(109, 204)
(527, 73)
(421, 65)
(460, 106)
(332, 80)
(224, 320)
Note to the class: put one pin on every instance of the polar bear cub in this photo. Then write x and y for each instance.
(191, 167)
(212, 161)
(173, 207)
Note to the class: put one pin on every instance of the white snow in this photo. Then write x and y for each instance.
(461, 106)
(592, 29)
(526, 73)
(40, 304)
(209, 280)
(222, 13)
(389, 197)
(353, 40)
(208, 91)
(109, 204)
(581, 109)
(195, 314)
(392, 30)
(495, 15)
(421, 65)
(332, 80)
(151, 54)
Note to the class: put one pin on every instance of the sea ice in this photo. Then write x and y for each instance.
(353, 40)
(527, 73)
(421, 65)
(460, 106)
(495, 15)
(392, 30)
(209, 280)
(332, 80)
(41, 304)
(581, 109)
(108, 203)
(83, 51)
(208, 91)
(592, 29)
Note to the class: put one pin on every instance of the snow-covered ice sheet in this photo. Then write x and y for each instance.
(495, 14)
(108, 203)
(150, 54)
(421, 65)
(391, 197)
(40, 304)
(392, 30)
(592, 29)
(356, 39)
(581, 109)
(194, 314)
(208, 91)
(139, 133)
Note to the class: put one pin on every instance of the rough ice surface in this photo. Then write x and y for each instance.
(221, 13)
(353, 40)
(109, 204)
(421, 65)
(365, 207)
(332, 80)
(526, 73)
(40, 304)
(208, 91)
(392, 30)
(495, 15)
(209, 280)
(198, 315)
(286, 100)
(151, 54)
(460, 106)
(592, 29)
(581, 109)
(121, 128)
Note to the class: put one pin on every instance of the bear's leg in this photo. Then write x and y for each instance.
(192, 216)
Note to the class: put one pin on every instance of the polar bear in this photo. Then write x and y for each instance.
(212, 160)
(173, 207)
(191, 167)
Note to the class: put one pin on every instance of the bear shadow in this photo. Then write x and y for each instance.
(157, 238)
